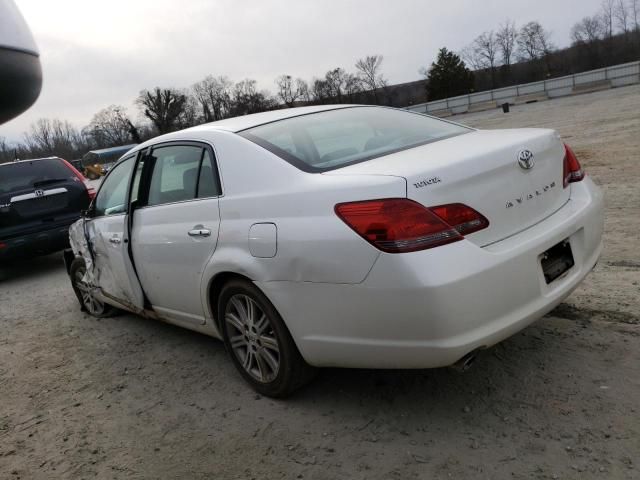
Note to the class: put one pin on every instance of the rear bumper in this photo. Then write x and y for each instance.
(430, 308)
(35, 244)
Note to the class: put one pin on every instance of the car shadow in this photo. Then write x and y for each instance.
(31, 267)
(500, 372)
(500, 375)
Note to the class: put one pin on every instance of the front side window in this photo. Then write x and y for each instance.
(336, 138)
(175, 174)
(112, 196)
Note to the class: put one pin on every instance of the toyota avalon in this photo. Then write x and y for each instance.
(343, 236)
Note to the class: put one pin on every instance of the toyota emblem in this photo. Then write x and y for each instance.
(525, 159)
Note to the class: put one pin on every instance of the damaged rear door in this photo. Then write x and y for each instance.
(108, 235)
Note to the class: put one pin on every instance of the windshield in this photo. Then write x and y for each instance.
(30, 174)
(335, 138)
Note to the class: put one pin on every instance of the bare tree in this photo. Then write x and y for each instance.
(290, 91)
(607, 10)
(319, 90)
(470, 56)
(336, 84)
(506, 37)
(533, 41)
(163, 107)
(53, 137)
(634, 6)
(214, 97)
(111, 126)
(305, 91)
(352, 87)
(7, 152)
(247, 99)
(486, 47)
(587, 30)
(587, 33)
(189, 116)
(622, 16)
(370, 74)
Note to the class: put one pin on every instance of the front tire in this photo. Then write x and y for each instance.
(258, 341)
(88, 302)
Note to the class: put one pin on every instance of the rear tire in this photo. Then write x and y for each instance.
(88, 303)
(258, 342)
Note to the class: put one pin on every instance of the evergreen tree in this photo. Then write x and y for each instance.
(448, 76)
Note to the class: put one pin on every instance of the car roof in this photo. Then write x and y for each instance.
(237, 124)
(29, 160)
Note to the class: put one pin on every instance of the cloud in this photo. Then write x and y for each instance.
(96, 53)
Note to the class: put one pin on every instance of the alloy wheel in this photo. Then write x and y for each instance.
(93, 305)
(252, 338)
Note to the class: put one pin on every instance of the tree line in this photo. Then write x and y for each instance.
(505, 56)
(213, 98)
(510, 55)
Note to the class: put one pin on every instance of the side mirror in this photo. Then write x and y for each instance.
(20, 71)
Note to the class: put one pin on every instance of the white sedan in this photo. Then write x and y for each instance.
(349, 236)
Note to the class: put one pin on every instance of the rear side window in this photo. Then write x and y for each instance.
(336, 138)
(208, 180)
(182, 172)
(27, 175)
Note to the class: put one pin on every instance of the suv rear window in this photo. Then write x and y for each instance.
(32, 174)
(336, 138)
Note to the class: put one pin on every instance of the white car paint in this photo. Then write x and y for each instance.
(345, 302)
(171, 261)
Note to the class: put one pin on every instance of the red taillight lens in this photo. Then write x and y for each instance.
(571, 170)
(90, 190)
(464, 219)
(400, 225)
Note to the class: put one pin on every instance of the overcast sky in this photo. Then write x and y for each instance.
(100, 52)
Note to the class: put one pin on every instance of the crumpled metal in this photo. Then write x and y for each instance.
(80, 247)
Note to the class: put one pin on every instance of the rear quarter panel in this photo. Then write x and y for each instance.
(313, 244)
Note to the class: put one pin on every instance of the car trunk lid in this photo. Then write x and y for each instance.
(483, 170)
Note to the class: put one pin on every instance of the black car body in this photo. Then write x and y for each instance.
(39, 199)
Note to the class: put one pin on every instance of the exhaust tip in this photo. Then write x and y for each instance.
(466, 362)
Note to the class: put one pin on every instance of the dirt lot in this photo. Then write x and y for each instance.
(131, 398)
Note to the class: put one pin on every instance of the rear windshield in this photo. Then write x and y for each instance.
(31, 174)
(336, 138)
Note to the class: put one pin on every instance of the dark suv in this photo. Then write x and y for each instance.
(39, 199)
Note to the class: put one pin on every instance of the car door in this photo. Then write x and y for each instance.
(175, 227)
(108, 236)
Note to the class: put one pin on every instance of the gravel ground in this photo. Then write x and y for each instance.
(131, 398)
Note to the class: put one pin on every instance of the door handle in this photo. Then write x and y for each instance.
(199, 232)
(115, 240)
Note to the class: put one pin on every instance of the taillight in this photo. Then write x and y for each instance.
(464, 219)
(90, 190)
(571, 169)
(398, 225)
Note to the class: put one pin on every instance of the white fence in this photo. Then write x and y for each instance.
(615, 76)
